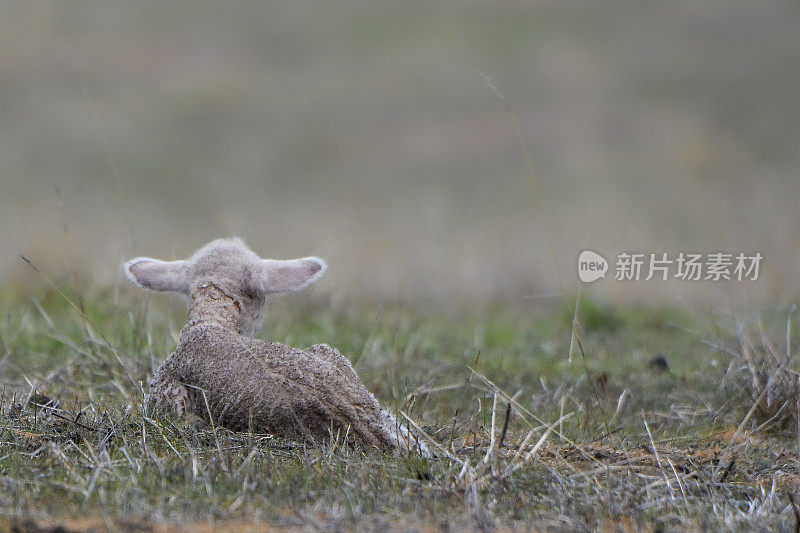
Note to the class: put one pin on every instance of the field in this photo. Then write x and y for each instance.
(652, 422)
(450, 161)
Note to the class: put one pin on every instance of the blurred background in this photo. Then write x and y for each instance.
(362, 132)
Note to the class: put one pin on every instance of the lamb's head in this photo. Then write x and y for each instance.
(230, 267)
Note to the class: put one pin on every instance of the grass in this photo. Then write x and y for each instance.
(661, 430)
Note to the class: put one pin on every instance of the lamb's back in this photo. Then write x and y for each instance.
(269, 386)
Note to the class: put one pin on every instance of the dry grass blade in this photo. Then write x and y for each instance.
(431, 440)
(539, 198)
(526, 412)
(513, 467)
(492, 449)
(213, 426)
(658, 458)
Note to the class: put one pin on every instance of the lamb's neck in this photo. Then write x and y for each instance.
(210, 304)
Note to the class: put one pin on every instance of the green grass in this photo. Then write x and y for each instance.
(100, 460)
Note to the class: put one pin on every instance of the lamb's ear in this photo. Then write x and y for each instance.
(158, 275)
(269, 276)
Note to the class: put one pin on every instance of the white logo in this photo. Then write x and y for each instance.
(591, 266)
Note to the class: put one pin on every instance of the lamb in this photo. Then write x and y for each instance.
(219, 371)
